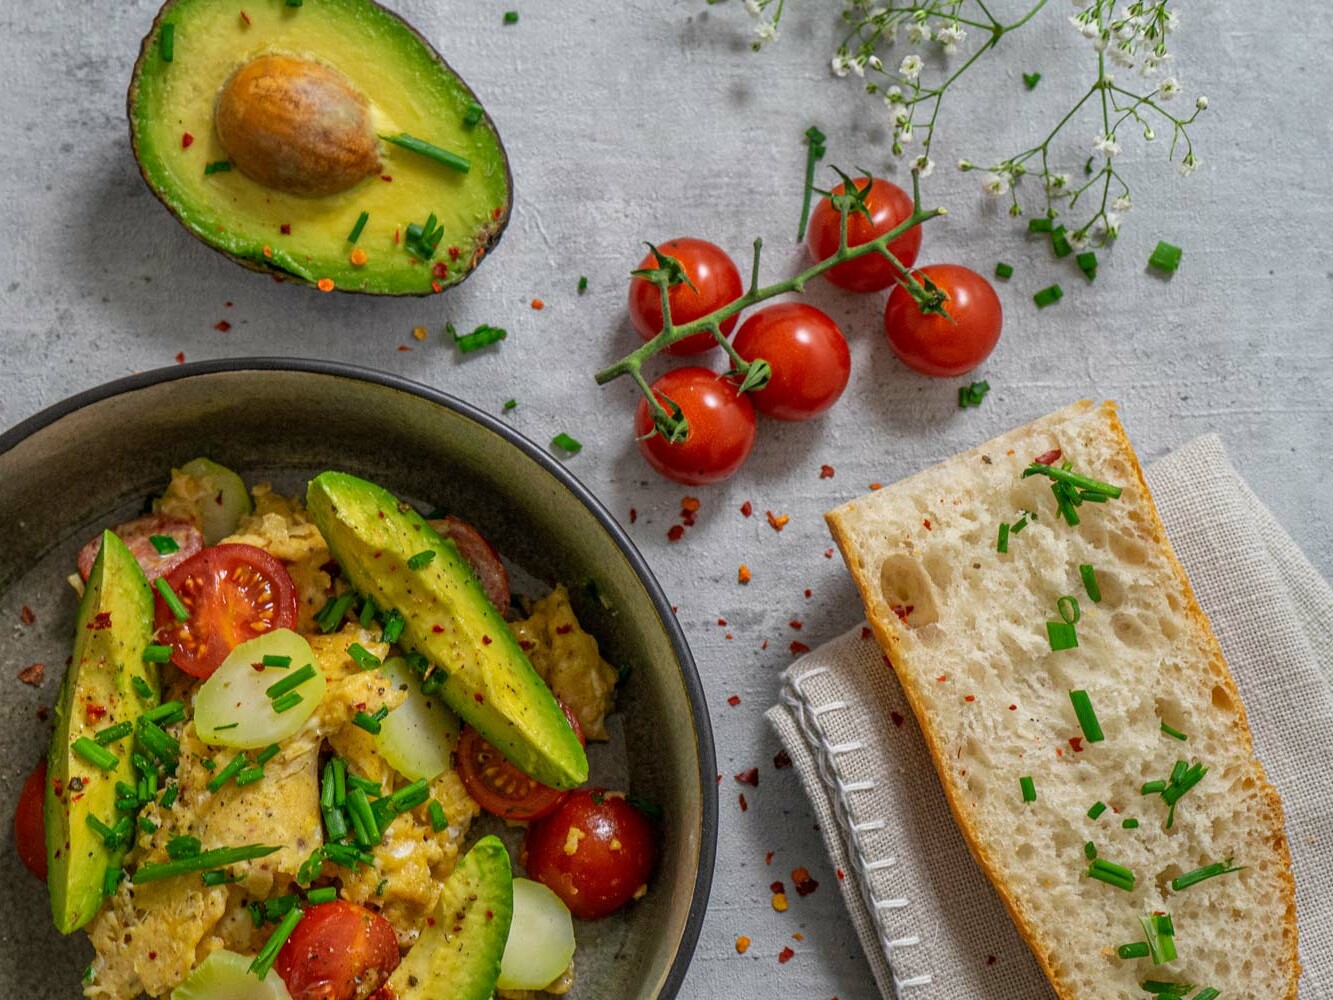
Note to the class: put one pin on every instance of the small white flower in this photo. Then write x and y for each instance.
(918, 32)
(1148, 134)
(839, 65)
(950, 36)
(903, 136)
(767, 31)
(859, 66)
(1188, 165)
(1172, 22)
(1121, 56)
(1168, 88)
(1078, 239)
(924, 166)
(1058, 182)
(910, 67)
(893, 94)
(1088, 29)
(995, 184)
(875, 63)
(1107, 227)
(1106, 145)
(965, 165)
(753, 9)
(901, 117)
(1201, 103)
(1122, 204)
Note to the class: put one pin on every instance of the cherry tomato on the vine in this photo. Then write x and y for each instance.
(716, 283)
(339, 951)
(945, 345)
(807, 354)
(30, 822)
(721, 427)
(889, 205)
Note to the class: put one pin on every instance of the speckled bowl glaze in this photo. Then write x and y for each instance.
(93, 459)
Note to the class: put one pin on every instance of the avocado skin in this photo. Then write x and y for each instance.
(491, 684)
(487, 236)
(114, 624)
(463, 964)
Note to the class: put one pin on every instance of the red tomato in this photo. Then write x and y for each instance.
(501, 788)
(137, 536)
(889, 206)
(808, 355)
(339, 951)
(30, 822)
(940, 345)
(233, 593)
(483, 559)
(595, 852)
(721, 427)
(716, 283)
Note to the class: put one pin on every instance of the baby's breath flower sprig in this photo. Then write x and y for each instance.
(753, 374)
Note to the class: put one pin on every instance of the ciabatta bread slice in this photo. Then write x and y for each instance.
(965, 628)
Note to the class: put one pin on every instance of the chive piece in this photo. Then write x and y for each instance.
(439, 822)
(422, 558)
(218, 877)
(972, 395)
(1152, 787)
(326, 788)
(111, 881)
(166, 714)
(269, 953)
(1087, 263)
(249, 775)
(164, 544)
(409, 797)
(287, 702)
(1097, 809)
(483, 336)
(363, 819)
(1060, 242)
(1129, 823)
(1207, 993)
(1137, 949)
(295, 3)
(1169, 991)
(169, 796)
(1161, 946)
(274, 660)
(1165, 257)
(1002, 543)
(219, 857)
(229, 725)
(1202, 874)
(362, 657)
(473, 114)
(359, 227)
(1087, 717)
(1043, 225)
(113, 734)
(511, 17)
(583, 283)
(107, 834)
(1069, 609)
(1048, 296)
(158, 742)
(424, 239)
(291, 682)
(167, 42)
(1003, 270)
(1090, 585)
(347, 855)
(1174, 733)
(1028, 787)
(1074, 479)
(178, 610)
(217, 167)
(1021, 523)
(339, 782)
(1062, 636)
(325, 895)
(1030, 80)
(510, 404)
(394, 623)
(1090, 851)
(267, 754)
(183, 847)
(430, 151)
(367, 722)
(335, 823)
(368, 611)
(1178, 771)
(1064, 502)
(566, 443)
(1110, 877)
(332, 614)
(155, 654)
(226, 774)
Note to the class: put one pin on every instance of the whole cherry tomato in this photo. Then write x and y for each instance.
(501, 788)
(716, 283)
(721, 427)
(807, 354)
(945, 345)
(339, 951)
(889, 205)
(30, 822)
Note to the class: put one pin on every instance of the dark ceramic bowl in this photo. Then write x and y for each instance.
(91, 461)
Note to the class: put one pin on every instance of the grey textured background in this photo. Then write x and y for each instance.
(637, 121)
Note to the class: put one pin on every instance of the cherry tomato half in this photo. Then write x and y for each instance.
(716, 283)
(233, 593)
(339, 951)
(473, 547)
(595, 852)
(30, 822)
(807, 353)
(940, 345)
(501, 788)
(721, 427)
(889, 205)
(138, 536)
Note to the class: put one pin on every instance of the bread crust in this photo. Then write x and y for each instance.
(886, 627)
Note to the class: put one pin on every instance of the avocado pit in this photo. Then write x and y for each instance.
(297, 126)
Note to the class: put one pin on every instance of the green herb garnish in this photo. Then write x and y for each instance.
(167, 42)
(394, 623)
(1049, 295)
(482, 336)
(217, 167)
(1201, 874)
(1087, 717)
(178, 610)
(325, 895)
(1137, 949)
(219, 857)
(153, 654)
(430, 151)
(274, 660)
(293, 681)
(287, 702)
(511, 17)
(370, 723)
(422, 558)
(1087, 263)
(1003, 270)
(972, 395)
(423, 240)
(1002, 542)
(473, 114)
(1097, 809)
(1174, 733)
(1165, 257)
(439, 822)
(269, 953)
(226, 774)
(583, 283)
(1112, 874)
(357, 229)
(362, 657)
(113, 734)
(567, 444)
(1074, 479)
(1030, 80)
(95, 754)
(1090, 585)
(164, 544)
(1028, 788)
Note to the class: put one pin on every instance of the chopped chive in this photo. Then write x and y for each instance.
(295, 3)
(224, 728)
(1048, 296)
(510, 404)
(108, 835)
(1170, 991)
(216, 167)
(368, 611)
(1174, 733)
(566, 443)
(511, 17)
(274, 660)
(1028, 788)
(422, 558)
(1002, 542)
(164, 544)
(1129, 823)
(331, 615)
(369, 723)
(178, 610)
(1152, 787)
(1064, 502)
(972, 395)
(1137, 949)
(112, 734)
(154, 654)
(363, 819)
(1113, 868)
(291, 682)
(326, 788)
(158, 742)
(1207, 993)
(1003, 270)
(1176, 790)
(473, 114)
(1069, 609)
(1020, 524)
(430, 151)
(347, 855)
(269, 953)
(365, 784)
(267, 754)
(167, 42)
(359, 227)
(362, 657)
(1090, 585)
(1161, 946)
(1165, 257)
(325, 895)
(483, 336)
(217, 877)
(1097, 809)
(1201, 874)
(183, 847)
(1090, 851)
(339, 782)
(169, 796)
(1110, 877)
(439, 822)
(1087, 263)
(335, 823)
(424, 239)
(409, 796)
(1030, 80)
(111, 880)
(1087, 717)
(583, 283)
(1178, 771)
(394, 623)
(226, 774)
(287, 702)
(1074, 479)
(1060, 242)
(166, 714)
(220, 857)
(249, 776)
(1043, 225)
(1061, 635)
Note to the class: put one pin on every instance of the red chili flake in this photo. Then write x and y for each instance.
(187, 140)
(1076, 744)
(804, 884)
(942, 678)
(564, 629)
(387, 178)
(1059, 752)
(782, 760)
(842, 875)
(722, 622)
(101, 620)
(397, 235)
(828, 553)
(404, 347)
(479, 698)
(897, 718)
(903, 612)
(285, 229)
(728, 637)
(764, 644)
(749, 777)
(734, 700)
(808, 593)
(435, 286)
(768, 858)
(440, 269)
(798, 648)
(744, 805)
(180, 357)
(94, 712)
(1013, 708)
(1048, 457)
(969, 697)
(795, 624)
(538, 305)
(719, 779)
(437, 629)
(876, 486)
(228, 305)
(747, 509)
(525, 645)
(26, 615)
(776, 888)
(675, 533)
(743, 574)
(826, 472)
(485, 640)
(43, 713)
(245, 19)
(222, 326)
(152, 956)
(926, 522)
(497, 212)
(991, 960)
(865, 632)
(777, 521)
(633, 515)
(32, 675)
(785, 956)
(454, 252)
(689, 503)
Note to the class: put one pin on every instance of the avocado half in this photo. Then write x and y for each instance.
(260, 125)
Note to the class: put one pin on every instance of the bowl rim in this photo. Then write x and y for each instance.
(694, 692)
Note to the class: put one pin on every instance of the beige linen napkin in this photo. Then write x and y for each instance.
(928, 919)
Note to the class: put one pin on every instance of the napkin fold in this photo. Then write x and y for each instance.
(930, 923)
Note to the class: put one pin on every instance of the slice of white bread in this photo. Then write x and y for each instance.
(964, 627)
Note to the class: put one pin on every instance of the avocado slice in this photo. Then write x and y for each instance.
(261, 125)
(449, 620)
(458, 955)
(114, 624)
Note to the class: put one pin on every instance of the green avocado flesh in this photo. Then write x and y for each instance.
(458, 955)
(450, 621)
(409, 89)
(115, 623)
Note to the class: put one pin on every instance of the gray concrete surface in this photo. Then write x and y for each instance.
(641, 120)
